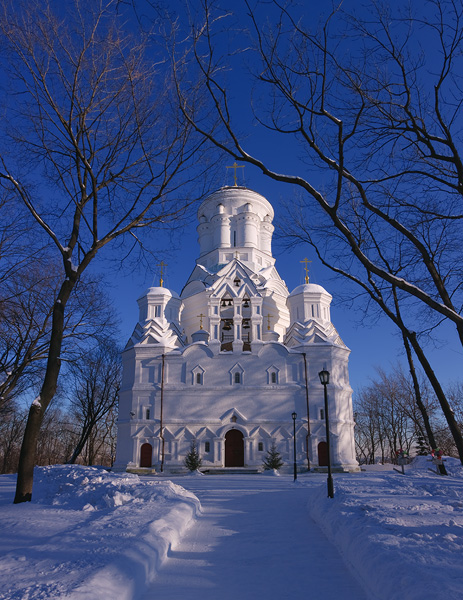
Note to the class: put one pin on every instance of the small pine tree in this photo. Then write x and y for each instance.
(272, 459)
(422, 446)
(192, 460)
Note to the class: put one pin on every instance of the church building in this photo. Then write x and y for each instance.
(233, 362)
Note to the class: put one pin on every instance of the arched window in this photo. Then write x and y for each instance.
(260, 447)
(197, 375)
(147, 414)
(236, 374)
(272, 375)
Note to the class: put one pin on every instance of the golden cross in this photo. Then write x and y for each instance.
(306, 260)
(235, 166)
(268, 321)
(200, 317)
(162, 264)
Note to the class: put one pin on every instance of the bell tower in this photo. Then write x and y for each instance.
(235, 277)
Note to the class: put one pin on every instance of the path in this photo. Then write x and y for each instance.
(254, 540)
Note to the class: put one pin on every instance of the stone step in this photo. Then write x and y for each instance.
(231, 471)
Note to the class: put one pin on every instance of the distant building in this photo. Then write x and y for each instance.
(228, 361)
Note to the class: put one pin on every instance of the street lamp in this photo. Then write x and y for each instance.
(324, 380)
(294, 416)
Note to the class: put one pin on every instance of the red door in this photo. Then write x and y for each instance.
(146, 452)
(322, 454)
(234, 448)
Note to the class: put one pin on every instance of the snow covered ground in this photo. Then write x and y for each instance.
(90, 534)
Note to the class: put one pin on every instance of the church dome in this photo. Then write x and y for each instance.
(309, 301)
(231, 200)
(160, 291)
(308, 288)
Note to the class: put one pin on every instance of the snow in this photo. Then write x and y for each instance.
(73, 266)
(402, 534)
(253, 539)
(88, 533)
(37, 402)
(91, 534)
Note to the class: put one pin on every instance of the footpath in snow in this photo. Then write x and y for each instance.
(253, 539)
(94, 535)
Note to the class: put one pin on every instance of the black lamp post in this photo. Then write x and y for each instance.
(324, 380)
(294, 416)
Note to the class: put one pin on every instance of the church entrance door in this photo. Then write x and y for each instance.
(322, 454)
(234, 448)
(146, 451)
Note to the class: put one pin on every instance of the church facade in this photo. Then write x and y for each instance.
(228, 362)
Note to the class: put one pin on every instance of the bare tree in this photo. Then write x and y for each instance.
(55, 436)
(94, 396)
(11, 432)
(388, 418)
(93, 148)
(378, 118)
(101, 446)
(26, 304)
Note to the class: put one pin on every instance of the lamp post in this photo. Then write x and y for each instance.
(294, 416)
(324, 380)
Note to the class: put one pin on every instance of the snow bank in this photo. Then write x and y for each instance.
(91, 488)
(90, 534)
(402, 535)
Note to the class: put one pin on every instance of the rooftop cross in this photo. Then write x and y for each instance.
(235, 166)
(200, 317)
(268, 321)
(306, 268)
(162, 264)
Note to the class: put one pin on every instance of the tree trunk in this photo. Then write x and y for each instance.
(27, 458)
(450, 417)
(419, 401)
(80, 444)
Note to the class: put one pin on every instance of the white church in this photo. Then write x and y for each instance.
(233, 362)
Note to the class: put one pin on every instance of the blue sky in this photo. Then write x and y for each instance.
(373, 341)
